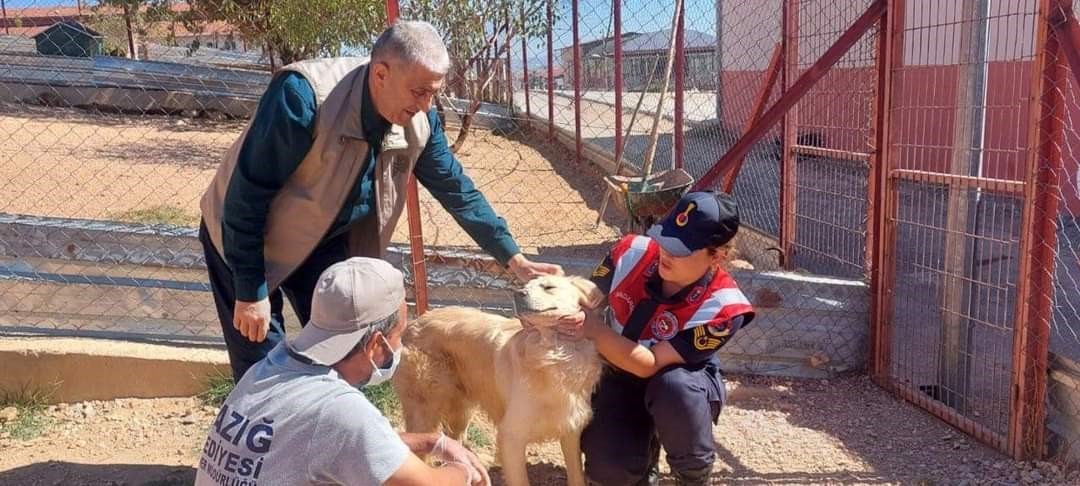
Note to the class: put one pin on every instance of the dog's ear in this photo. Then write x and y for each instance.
(591, 296)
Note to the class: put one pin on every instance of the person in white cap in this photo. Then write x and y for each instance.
(297, 416)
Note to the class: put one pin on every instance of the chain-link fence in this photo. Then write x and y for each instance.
(896, 213)
(1058, 182)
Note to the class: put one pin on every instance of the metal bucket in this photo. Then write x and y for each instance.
(646, 202)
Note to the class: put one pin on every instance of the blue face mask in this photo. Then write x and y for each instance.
(381, 375)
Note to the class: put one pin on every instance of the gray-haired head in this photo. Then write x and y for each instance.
(412, 42)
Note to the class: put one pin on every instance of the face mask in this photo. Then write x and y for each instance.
(380, 375)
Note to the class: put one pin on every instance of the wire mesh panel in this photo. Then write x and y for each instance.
(831, 142)
(958, 170)
(1059, 162)
(113, 117)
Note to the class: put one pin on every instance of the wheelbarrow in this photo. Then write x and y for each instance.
(646, 201)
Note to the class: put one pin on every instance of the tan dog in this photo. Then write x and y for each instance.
(533, 384)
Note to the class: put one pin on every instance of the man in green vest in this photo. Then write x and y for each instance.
(319, 176)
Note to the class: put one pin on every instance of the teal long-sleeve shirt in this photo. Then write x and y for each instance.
(281, 135)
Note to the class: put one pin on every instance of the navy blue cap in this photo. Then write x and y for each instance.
(699, 220)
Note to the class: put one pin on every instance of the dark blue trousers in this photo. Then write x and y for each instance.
(298, 287)
(633, 417)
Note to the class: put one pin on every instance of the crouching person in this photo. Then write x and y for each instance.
(297, 418)
(671, 307)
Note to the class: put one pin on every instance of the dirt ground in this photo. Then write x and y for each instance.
(79, 164)
(840, 431)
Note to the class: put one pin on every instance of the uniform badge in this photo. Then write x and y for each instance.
(696, 294)
(649, 272)
(684, 217)
(664, 326)
(705, 340)
(601, 271)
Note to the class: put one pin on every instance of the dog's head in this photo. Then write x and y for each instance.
(545, 299)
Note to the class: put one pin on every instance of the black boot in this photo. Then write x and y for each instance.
(694, 477)
(652, 478)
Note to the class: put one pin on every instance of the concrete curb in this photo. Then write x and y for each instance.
(79, 369)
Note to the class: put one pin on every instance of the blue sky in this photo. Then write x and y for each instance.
(638, 16)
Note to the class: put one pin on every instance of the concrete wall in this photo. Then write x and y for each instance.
(73, 370)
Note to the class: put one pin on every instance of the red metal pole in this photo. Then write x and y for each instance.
(790, 123)
(412, 203)
(551, 74)
(509, 67)
(879, 241)
(762, 97)
(793, 95)
(680, 84)
(525, 88)
(391, 11)
(1068, 32)
(574, 19)
(1038, 241)
(3, 9)
(617, 11)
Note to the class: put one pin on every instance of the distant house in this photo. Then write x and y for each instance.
(644, 55)
(69, 38)
(592, 73)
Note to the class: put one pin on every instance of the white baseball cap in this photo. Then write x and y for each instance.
(349, 297)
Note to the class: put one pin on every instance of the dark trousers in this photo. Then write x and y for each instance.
(298, 287)
(633, 417)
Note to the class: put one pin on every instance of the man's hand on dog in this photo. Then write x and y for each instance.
(525, 269)
(252, 319)
(451, 451)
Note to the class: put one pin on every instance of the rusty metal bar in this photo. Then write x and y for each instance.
(880, 244)
(831, 153)
(412, 208)
(550, 74)
(509, 66)
(680, 85)
(1038, 240)
(1068, 32)
(574, 20)
(616, 6)
(391, 11)
(797, 91)
(525, 88)
(947, 414)
(1003, 186)
(760, 100)
(790, 122)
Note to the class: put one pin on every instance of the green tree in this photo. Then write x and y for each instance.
(131, 20)
(293, 30)
(478, 34)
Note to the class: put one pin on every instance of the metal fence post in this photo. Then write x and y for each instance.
(412, 203)
(617, 13)
(680, 85)
(525, 88)
(551, 73)
(574, 20)
(789, 138)
(1038, 240)
(880, 242)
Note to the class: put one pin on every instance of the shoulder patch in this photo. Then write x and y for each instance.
(704, 339)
